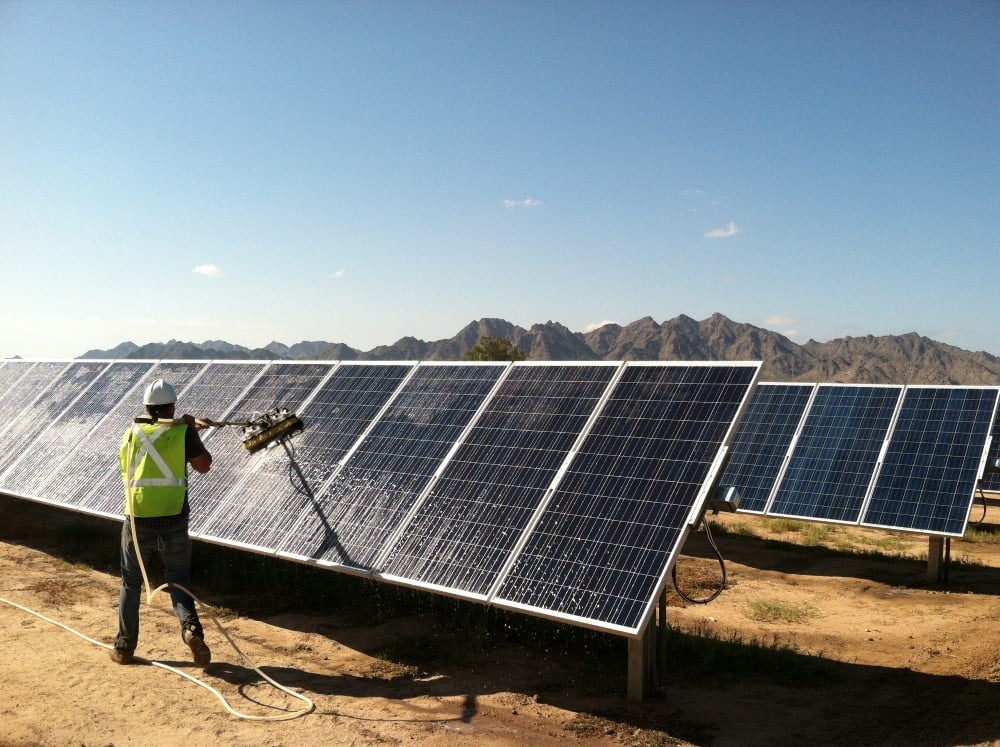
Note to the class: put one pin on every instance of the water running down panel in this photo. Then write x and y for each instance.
(70, 427)
(285, 385)
(75, 482)
(381, 481)
(833, 463)
(14, 431)
(762, 441)
(218, 386)
(271, 498)
(928, 476)
(10, 373)
(475, 513)
(604, 543)
(52, 398)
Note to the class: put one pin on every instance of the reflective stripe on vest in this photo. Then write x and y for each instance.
(154, 470)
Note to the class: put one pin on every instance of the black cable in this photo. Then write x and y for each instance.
(982, 495)
(722, 565)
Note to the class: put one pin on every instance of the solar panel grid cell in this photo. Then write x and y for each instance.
(50, 404)
(834, 459)
(476, 511)
(72, 426)
(270, 499)
(10, 373)
(381, 481)
(14, 430)
(215, 387)
(77, 479)
(602, 544)
(285, 385)
(928, 476)
(763, 440)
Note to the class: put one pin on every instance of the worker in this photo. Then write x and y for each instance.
(154, 458)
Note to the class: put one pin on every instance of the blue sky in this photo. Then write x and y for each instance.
(360, 171)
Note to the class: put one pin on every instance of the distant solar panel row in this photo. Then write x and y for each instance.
(560, 489)
(882, 456)
(991, 480)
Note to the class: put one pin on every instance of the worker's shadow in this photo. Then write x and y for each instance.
(330, 542)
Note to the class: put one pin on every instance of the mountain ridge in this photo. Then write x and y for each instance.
(909, 358)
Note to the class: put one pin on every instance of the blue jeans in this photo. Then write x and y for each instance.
(173, 546)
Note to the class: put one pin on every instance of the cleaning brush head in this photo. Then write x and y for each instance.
(271, 426)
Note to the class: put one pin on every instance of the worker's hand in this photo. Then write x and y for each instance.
(192, 423)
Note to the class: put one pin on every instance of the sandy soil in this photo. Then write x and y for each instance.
(845, 644)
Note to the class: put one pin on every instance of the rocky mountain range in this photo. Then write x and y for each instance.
(893, 359)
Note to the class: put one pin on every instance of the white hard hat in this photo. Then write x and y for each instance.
(159, 393)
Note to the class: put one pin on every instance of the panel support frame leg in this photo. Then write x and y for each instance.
(642, 670)
(935, 558)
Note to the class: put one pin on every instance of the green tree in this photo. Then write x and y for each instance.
(493, 349)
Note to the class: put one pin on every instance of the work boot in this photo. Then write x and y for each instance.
(199, 649)
(121, 655)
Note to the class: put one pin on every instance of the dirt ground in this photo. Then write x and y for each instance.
(824, 636)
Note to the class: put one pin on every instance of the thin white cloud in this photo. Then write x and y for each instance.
(597, 325)
(528, 202)
(338, 274)
(723, 233)
(786, 325)
(211, 271)
(780, 321)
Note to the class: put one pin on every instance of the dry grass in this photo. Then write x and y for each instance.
(771, 611)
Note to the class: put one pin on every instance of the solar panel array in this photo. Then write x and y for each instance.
(561, 489)
(891, 457)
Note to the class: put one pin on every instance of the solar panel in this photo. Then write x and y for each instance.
(218, 385)
(604, 542)
(10, 373)
(833, 462)
(763, 441)
(54, 389)
(269, 500)
(381, 480)
(70, 426)
(285, 385)
(76, 478)
(927, 479)
(991, 479)
(476, 511)
(15, 432)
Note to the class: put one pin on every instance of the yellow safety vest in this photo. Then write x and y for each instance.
(154, 469)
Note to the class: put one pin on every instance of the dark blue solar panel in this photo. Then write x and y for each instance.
(991, 479)
(603, 544)
(834, 459)
(762, 441)
(96, 456)
(378, 485)
(269, 501)
(206, 396)
(928, 476)
(70, 426)
(49, 404)
(475, 513)
(285, 385)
